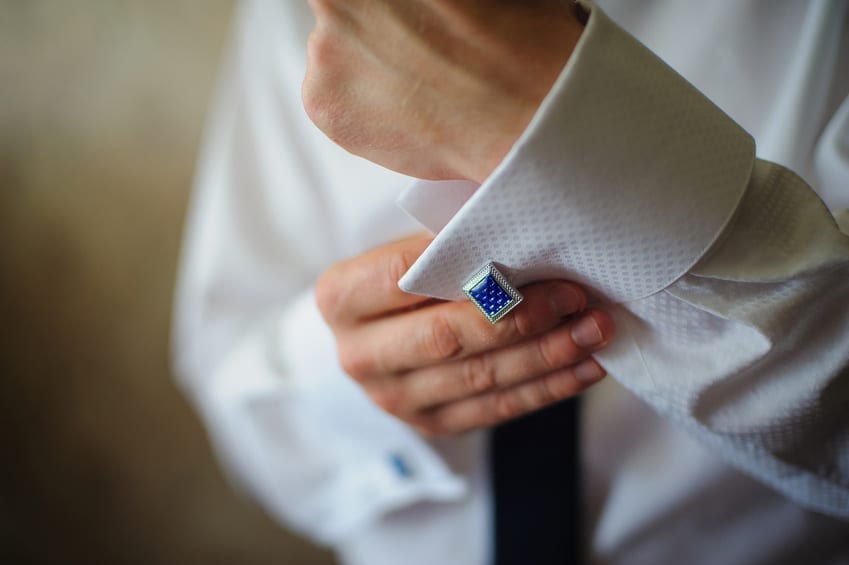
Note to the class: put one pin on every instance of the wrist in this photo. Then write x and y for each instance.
(511, 97)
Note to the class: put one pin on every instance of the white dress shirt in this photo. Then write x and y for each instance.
(723, 435)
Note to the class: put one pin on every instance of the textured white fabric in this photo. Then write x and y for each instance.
(582, 214)
(627, 207)
(738, 358)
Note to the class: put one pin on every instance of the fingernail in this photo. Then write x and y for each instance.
(588, 372)
(586, 333)
(565, 299)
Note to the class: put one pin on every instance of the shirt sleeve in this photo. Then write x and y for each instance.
(250, 348)
(727, 275)
(749, 350)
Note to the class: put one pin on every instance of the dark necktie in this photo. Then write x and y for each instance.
(535, 476)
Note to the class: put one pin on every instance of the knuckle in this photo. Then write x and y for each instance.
(479, 374)
(549, 354)
(317, 104)
(523, 325)
(328, 294)
(321, 90)
(399, 263)
(507, 406)
(430, 428)
(516, 326)
(310, 99)
(559, 385)
(440, 341)
(326, 10)
(319, 6)
(387, 399)
(355, 362)
(542, 393)
(321, 50)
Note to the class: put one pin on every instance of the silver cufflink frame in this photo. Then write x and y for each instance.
(490, 270)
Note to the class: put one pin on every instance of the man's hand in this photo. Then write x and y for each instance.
(441, 366)
(434, 88)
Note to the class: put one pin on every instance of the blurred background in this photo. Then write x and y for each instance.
(102, 106)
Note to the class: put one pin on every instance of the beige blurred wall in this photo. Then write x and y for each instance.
(102, 103)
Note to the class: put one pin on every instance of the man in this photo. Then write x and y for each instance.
(725, 276)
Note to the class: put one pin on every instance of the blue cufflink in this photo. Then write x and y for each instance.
(402, 468)
(489, 290)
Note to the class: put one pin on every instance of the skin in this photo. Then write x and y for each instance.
(441, 366)
(442, 89)
(434, 88)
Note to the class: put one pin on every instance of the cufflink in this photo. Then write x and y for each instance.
(490, 291)
(401, 466)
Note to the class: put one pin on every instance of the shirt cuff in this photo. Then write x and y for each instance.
(623, 180)
(297, 433)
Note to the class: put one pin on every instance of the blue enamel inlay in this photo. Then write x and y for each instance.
(491, 297)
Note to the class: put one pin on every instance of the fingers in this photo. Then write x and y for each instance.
(501, 405)
(448, 331)
(443, 367)
(367, 286)
(503, 368)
